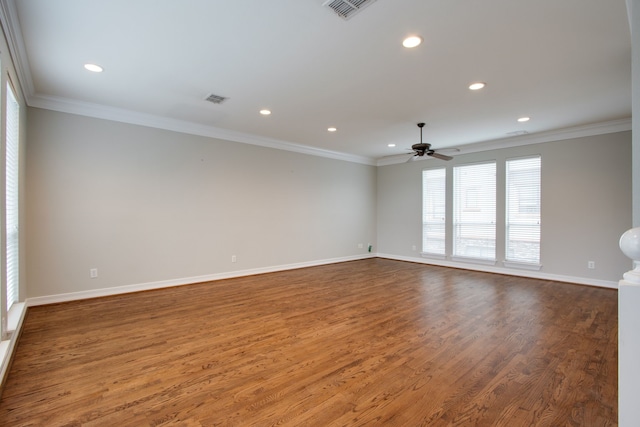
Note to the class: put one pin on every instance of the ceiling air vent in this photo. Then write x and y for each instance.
(347, 8)
(216, 99)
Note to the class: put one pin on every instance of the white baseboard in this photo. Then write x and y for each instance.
(95, 293)
(507, 271)
(7, 347)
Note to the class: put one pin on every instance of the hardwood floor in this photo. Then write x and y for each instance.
(371, 342)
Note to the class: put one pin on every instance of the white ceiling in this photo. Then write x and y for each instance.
(564, 63)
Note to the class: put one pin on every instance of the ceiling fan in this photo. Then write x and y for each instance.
(423, 148)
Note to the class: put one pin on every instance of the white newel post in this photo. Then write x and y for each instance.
(629, 334)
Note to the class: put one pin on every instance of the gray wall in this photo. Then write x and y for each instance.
(586, 204)
(144, 205)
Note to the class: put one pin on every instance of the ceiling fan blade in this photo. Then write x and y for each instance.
(440, 156)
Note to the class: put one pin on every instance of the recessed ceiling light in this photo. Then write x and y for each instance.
(412, 41)
(265, 112)
(391, 145)
(93, 67)
(332, 129)
(477, 86)
(524, 119)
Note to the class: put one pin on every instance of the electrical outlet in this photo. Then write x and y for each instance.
(360, 245)
(413, 248)
(233, 258)
(591, 264)
(93, 273)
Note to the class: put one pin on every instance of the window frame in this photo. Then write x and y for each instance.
(485, 203)
(529, 219)
(428, 210)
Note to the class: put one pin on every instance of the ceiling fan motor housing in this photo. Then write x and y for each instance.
(421, 148)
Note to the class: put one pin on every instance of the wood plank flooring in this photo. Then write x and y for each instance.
(371, 342)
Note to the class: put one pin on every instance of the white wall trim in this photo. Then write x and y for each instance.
(11, 23)
(117, 290)
(127, 116)
(509, 272)
(7, 347)
(534, 138)
(15, 42)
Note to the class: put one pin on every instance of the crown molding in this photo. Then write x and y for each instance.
(529, 139)
(17, 51)
(127, 116)
(13, 34)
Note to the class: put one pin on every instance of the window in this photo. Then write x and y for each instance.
(523, 210)
(11, 196)
(433, 211)
(474, 211)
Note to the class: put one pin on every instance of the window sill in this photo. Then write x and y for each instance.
(432, 256)
(15, 312)
(474, 260)
(4, 351)
(522, 265)
(7, 346)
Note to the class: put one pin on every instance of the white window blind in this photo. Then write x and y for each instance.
(474, 211)
(523, 210)
(433, 210)
(11, 194)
